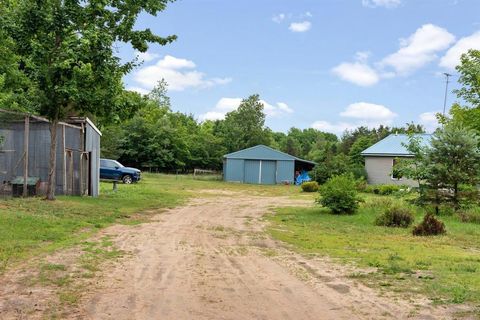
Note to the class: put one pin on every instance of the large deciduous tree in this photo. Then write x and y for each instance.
(66, 49)
(245, 127)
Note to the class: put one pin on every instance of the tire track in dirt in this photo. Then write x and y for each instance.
(205, 261)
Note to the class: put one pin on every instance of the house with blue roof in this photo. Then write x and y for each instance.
(382, 156)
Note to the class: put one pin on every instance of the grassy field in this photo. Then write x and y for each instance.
(445, 268)
(32, 226)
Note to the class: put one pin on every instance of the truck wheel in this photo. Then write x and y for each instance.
(127, 179)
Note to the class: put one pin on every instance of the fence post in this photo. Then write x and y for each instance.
(25, 152)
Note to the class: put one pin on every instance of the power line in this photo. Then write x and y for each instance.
(447, 76)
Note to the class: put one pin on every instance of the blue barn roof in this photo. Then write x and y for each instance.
(394, 146)
(262, 152)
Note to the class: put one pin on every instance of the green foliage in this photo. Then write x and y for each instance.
(452, 159)
(393, 252)
(362, 143)
(339, 194)
(430, 226)
(397, 216)
(469, 70)
(383, 189)
(310, 186)
(471, 215)
(245, 126)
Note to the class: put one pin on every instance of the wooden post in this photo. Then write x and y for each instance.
(25, 152)
(64, 161)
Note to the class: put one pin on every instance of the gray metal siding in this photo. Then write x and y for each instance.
(285, 171)
(92, 144)
(260, 153)
(252, 171)
(268, 171)
(379, 171)
(234, 170)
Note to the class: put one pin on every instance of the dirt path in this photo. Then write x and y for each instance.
(208, 260)
(211, 260)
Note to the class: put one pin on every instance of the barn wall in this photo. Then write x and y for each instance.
(285, 171)
(234, 170)
(92, 144)
(379, 172)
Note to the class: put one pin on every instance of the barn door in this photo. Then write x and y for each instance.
(252, 171)
(268, 172)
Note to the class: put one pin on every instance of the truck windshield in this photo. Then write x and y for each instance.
(118, 164)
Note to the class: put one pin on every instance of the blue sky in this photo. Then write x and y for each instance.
(328, 64)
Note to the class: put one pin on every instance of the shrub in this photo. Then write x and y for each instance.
(339, 194)
(310, 186)
(471, 215)
(395, 216)
(387, 189)
(430, 226)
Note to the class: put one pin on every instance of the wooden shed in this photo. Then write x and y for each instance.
(25, 155)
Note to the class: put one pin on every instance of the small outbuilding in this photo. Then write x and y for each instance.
(382, 156)
(25, 155)
(263, 165)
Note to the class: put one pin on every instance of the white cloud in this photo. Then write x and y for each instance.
(418, 49)
(336, 128)
(369, 112)
(225, 105)
(146, 56)
(452, 58)
(138, 89)
(180, 74)
(381, 3)
(278, 18)
(362, 113)
(429, 120)
(358, 73)
(300, 26)
(308, 14)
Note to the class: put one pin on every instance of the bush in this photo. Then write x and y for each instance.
(430, 226)
(311, 186)
(339, 194)
(395, 216)
(388, 189)
(471, 215)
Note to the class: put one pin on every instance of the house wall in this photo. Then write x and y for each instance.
(379, 171)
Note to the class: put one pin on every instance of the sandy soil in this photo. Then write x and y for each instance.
(212, 260)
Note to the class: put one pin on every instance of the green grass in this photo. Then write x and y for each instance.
(33, 226)
(445, 268)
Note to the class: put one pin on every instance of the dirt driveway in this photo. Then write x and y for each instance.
(212, 259)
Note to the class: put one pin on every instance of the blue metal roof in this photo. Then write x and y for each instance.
(262, 152)
(393, 145)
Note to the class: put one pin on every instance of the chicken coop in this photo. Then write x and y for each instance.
(25, 156)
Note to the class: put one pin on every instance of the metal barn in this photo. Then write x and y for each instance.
(25, 155)
(262, 165)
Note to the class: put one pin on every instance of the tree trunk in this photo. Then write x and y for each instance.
(456, 203)
(53, 161)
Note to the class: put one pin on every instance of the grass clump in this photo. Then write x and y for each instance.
(396, 216)
(430, 226)
(471, 215)
(339, 194)
(310, 186)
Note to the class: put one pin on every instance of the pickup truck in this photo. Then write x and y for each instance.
(114, 170)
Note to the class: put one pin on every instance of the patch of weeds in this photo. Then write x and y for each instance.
(459, 294)
(69, 297)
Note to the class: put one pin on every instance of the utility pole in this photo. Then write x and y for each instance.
(447, 76)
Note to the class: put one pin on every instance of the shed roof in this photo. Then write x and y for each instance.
(262, 152)
(394, 145)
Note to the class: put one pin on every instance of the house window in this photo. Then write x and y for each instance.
(395, 173)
